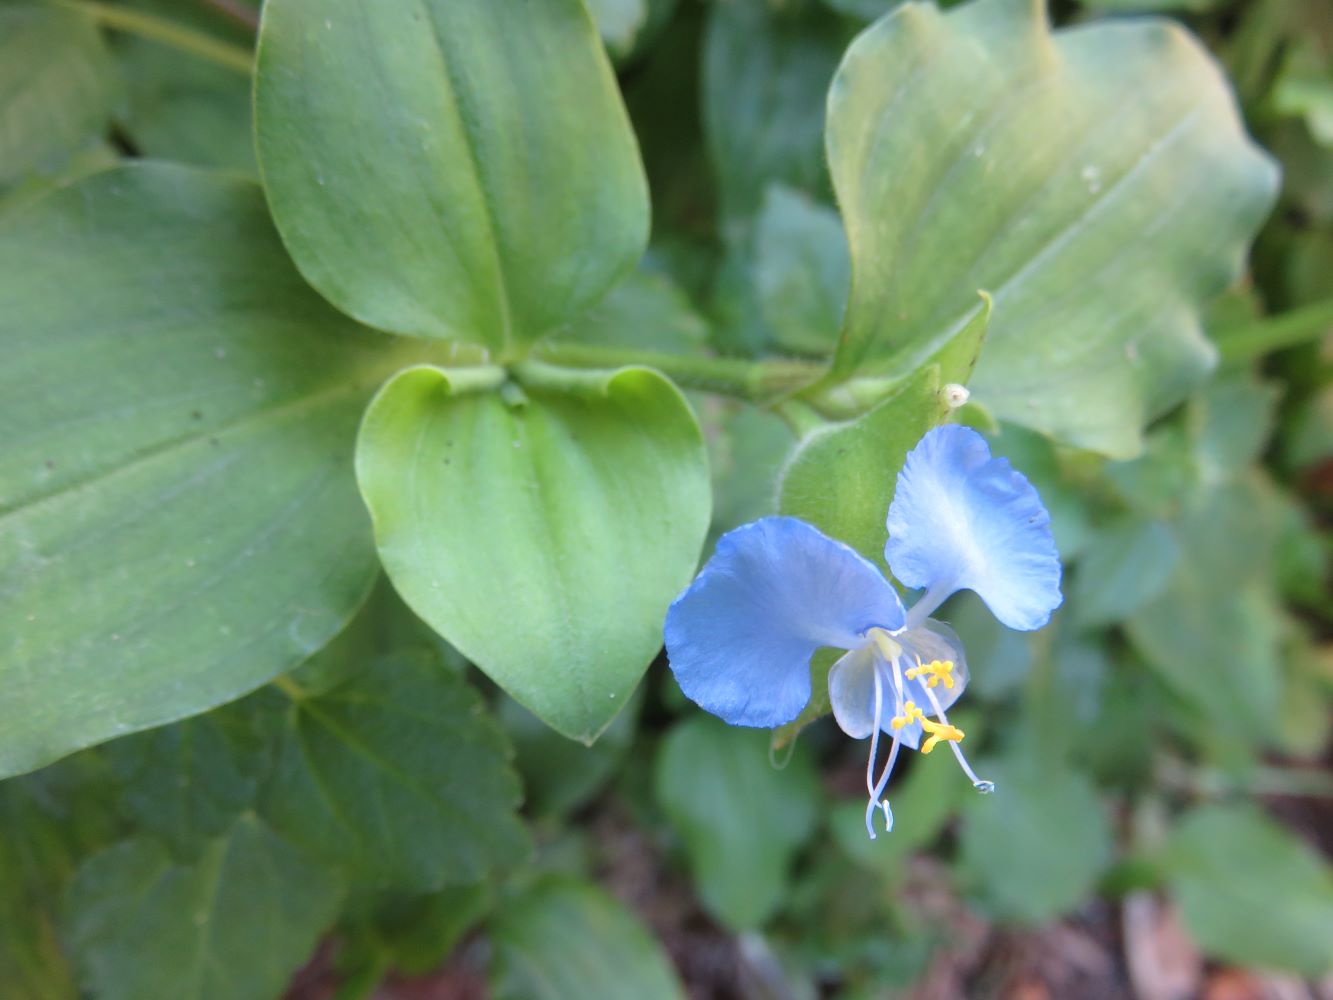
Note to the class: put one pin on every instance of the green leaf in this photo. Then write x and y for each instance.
(1231, 421)
(585, 497)
(1127, 564)
(646, 312)
(801, 271)
(57, 88)
(740, 818)
(449, 168)
(566, 940)
(1213, 633)
(399, 776)
(186, 109)
(233, 925)
(411, 934)
(180, 521)
(51, 820)
(1250, 892)
(187, 783)
(560, 775)
(1096, 181)
(1034, 849)
(747, 447)
(619, 23)
(841, 478)
(764, 77)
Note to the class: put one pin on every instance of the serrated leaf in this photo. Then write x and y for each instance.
(57, 88)
(180, 519)
(1095, 180)
(460, 169)
(1250, 892)
(741, 819)
(398, 776)
(188, 782)
(544, 537)
(234, 925)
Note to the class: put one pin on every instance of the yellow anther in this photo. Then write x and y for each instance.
(935, 672)
(910, 714)
(939, 731)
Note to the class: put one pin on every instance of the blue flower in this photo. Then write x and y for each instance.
(740, 638)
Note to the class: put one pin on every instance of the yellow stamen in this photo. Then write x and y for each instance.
(936, 672)
(939, 731)
(910, 714)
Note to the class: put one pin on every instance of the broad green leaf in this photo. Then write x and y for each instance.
(741, 819)
(183, 108)
(178, 517)
(764, 77)
(1212, 634)
(57, 88)
(619, 23)
(1250, 892)
(449, 168)
(1127, 564)
(801, 271)
(862, 10)
(1096, 181)
(1305, 87)
(398, 776)
(1034, 849)
(747, 447)
(233, 925)
(1216, 644)
(841, 478)
(644, 312)
(1231, 421)
(565, 940)
(188, 782)
(544, 530)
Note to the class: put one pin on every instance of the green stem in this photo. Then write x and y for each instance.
(289, 687)
(238, 12)
(196, 43)
(756, 381)
(1260, 780)
(1288, 329)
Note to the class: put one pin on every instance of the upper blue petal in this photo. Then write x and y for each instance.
(961, 519)
(740, 638)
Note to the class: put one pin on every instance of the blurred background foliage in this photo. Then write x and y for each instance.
(1165, 811)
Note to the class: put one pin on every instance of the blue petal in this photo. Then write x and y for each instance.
(851, 693)
(740, 638)
(961, 519)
